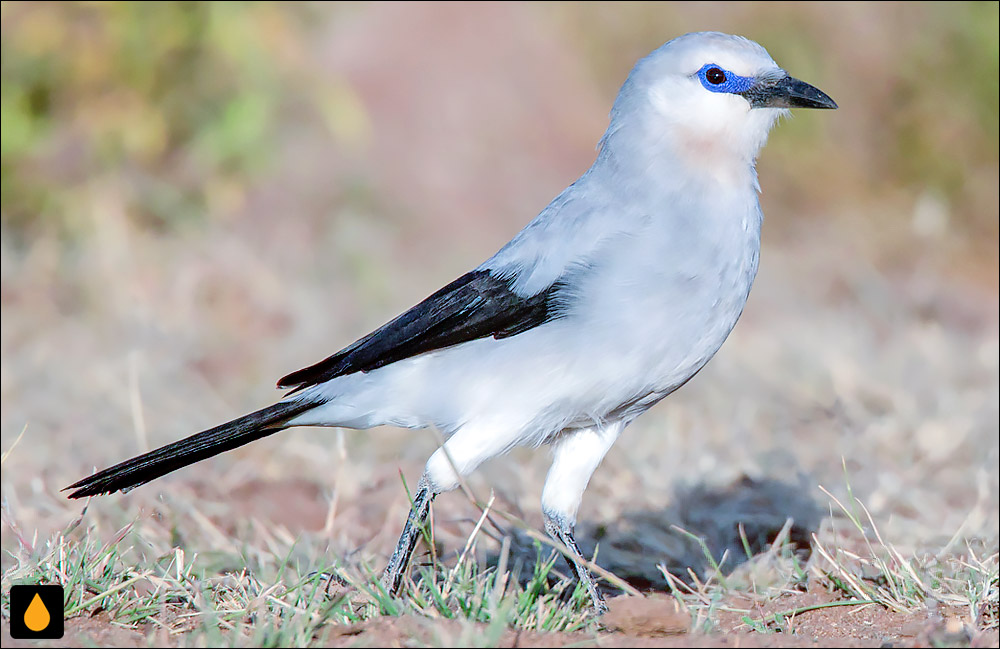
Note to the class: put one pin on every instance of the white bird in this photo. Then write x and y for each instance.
(609, 300)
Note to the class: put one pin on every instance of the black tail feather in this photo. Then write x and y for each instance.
(149, 466)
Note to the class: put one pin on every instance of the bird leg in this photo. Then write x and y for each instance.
(392, 578)
(559, 528)
(575, 456)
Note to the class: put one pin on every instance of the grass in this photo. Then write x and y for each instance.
(277, 599)
(860, 568)
(196, 212)
(277, 602)
(879, 573)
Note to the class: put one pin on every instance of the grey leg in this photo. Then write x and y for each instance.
(460, 455)
(575, 458)
(392, 578)
(562, 530)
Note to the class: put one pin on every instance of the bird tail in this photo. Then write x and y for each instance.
(225, 437)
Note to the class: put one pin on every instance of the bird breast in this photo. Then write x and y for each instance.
(673, 293)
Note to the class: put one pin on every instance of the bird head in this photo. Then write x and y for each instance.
(707, 99)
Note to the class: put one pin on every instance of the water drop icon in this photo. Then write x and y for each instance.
(37, 616)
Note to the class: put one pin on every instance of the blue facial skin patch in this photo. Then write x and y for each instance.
(734, 83)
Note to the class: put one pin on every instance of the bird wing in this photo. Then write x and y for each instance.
(477, 305)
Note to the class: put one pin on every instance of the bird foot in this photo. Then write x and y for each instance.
(559, 528)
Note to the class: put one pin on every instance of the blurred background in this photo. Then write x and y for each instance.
(198, 198)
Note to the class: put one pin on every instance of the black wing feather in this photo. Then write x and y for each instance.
(476, 305)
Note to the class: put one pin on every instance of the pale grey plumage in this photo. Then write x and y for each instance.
(609, 300)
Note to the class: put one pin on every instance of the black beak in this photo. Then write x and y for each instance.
(787, 92)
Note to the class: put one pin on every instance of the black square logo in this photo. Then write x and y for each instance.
(36, 612)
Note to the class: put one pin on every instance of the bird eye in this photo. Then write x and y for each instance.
(715, 76)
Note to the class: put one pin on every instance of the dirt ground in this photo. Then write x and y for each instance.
(631, 622)
(864, 367)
